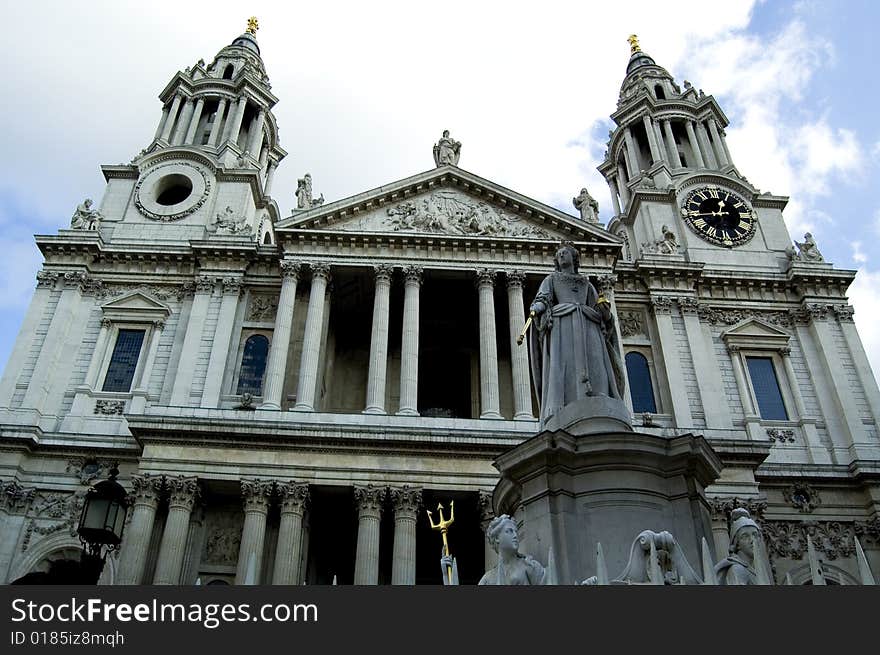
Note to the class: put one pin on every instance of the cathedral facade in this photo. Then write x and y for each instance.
(285, 396)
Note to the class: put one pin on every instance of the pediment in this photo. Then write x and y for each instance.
(133, 305)
(446, 201)
(755, 333)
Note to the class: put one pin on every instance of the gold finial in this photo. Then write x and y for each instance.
(634, 44)
(253, 25)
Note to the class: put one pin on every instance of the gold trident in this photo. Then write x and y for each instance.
(443, 526)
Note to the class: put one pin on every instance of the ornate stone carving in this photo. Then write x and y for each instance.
(631, 323)
(320, 269)
(47, 279)
(383, 272)
(304, 198)
(256, 494)
(449, 212)
(733, 349)
(487, 512)
(667, 244)
(232, 285)
(587, 206)
(515, 279)
(485, 277)
(86, 218)
(722, 507)
(110, 407)
(406, 500)
(51, 512)
(802, 496)
(160, 293)
(844, 313)
(88, 468)
(246, 403)
(74, 279)
(780, 435)
(146, 489)
(688, 306)
(412, 274)
(290, 268)
(262, 308)
(789, 538)
(106, 323)
(226, 223)
(294, 497)
(204, 284)
(605, 284)
(447, 151)
(661, 304)
(182, 492)
(198, 178)
(725, 316)
(14, 498)
(868, 531)
(186, 290)
(222, 544)
(810, 312)
(370, 499)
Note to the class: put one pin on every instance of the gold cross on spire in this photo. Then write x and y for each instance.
(253, 25)
(634, 44)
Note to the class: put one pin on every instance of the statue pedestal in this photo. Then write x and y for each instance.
(583, 484)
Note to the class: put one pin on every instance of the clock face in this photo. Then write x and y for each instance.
(719, 216)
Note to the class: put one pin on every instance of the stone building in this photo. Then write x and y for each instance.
(286, 395)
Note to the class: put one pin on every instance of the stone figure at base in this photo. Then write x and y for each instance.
(574, 350)
(513, 568)
(738, 568)
(808, 251)
(85, 218)
(656, 558)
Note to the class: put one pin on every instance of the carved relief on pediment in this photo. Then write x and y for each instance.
(446, 211)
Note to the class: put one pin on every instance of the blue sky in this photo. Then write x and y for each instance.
(528, 91)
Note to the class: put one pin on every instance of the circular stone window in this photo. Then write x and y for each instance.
(170, 192)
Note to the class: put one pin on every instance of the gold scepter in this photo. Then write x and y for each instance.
(522, 335)
(443, 527)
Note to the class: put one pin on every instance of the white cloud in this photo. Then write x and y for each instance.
(858, 256)
(864, 294)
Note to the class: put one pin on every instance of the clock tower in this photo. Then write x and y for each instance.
(675, 188)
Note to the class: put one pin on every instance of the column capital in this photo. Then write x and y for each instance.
(688, 306)
(370, 499)
(606, 283)
(785, 351)
(485, 277)
(146, 489)
(383, 272)
(158, 324)
(106, 323)
(204, 284)
(844, 313)
(661, 304)
(320, 270)
(233, 286)
(406, 501)
(515, 279)
(256, 494)
(413, 275)
(733, 349)
(294, 497)
(290, 268)
(182, 492)
(47, 279)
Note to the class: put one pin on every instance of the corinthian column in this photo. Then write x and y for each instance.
(288, 554)
(256, 495)
(369, 502)
(145, 497)
(273, 379)
(489, 404)
(308, 369)
(182, 494)
(379, 341)
(519, 355)
(406, 502)
(409, 348)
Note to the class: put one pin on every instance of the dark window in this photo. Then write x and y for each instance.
(640, 389)
(227, 72)
(124, 360)
(253, 365)
(766, 388)
(658, 91)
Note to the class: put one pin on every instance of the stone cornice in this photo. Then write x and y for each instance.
(247, 83)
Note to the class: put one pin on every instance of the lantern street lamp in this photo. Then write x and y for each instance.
(101, 524)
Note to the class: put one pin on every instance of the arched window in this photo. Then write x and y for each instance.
(253, 365)
(267, 239)
(640, 388)
(659, 92)
(227, 72)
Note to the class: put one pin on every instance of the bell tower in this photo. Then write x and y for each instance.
(674, 186)
(209, 168)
